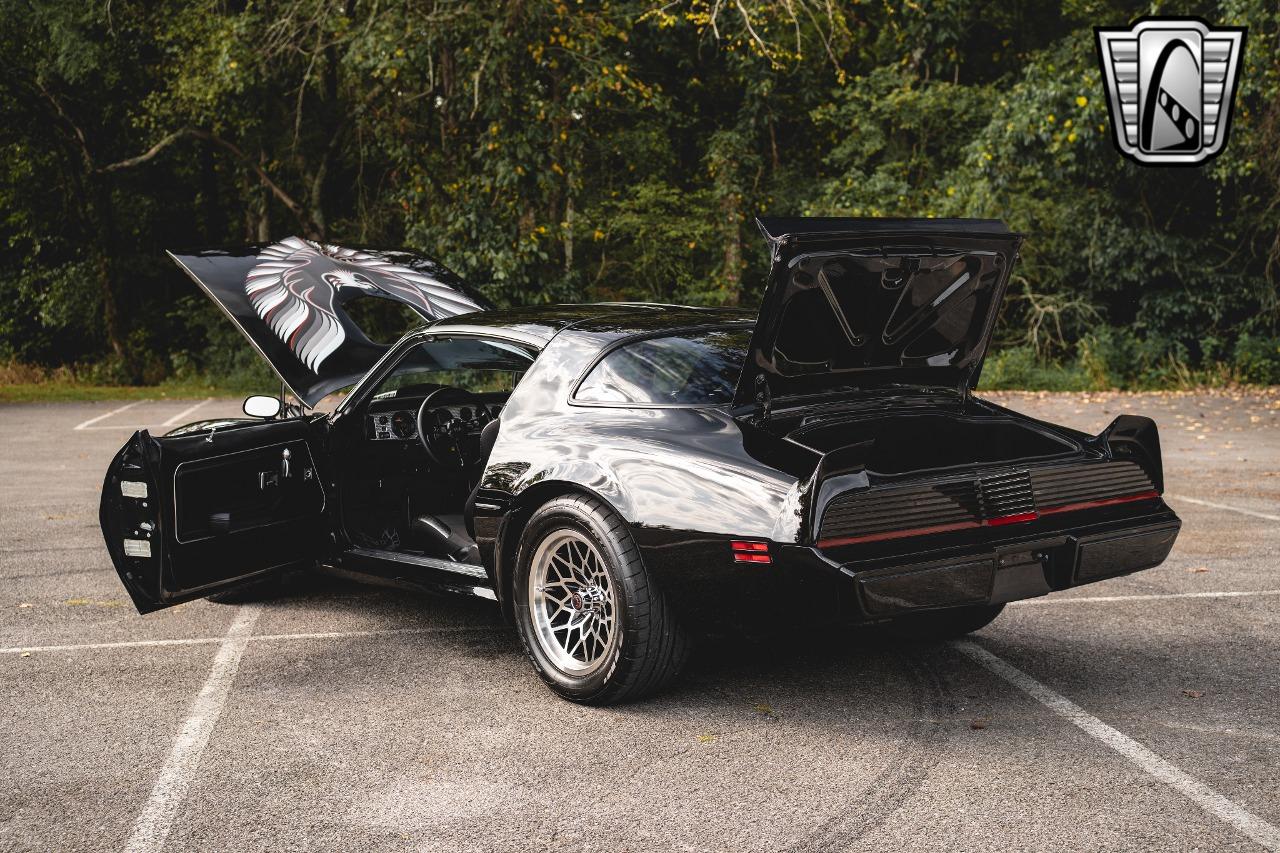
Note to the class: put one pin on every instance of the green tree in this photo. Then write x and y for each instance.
(552, 150)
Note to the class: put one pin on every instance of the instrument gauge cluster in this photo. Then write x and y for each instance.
(402, 425)
(394, 426)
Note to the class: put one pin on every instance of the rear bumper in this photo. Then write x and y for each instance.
(1012, 568)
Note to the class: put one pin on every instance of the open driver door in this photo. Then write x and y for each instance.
(188, 516)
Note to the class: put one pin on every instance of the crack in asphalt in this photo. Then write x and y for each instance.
(904, 774)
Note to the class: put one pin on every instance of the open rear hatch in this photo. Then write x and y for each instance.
(870, 303)
(290, 300)
(870, 340)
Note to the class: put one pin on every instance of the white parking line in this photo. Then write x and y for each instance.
(256, 638)
(1095, 599)
(1254, 513)
(26, 650)
(153, 825)
(1202, 795)
(176, 419)
(93, 421)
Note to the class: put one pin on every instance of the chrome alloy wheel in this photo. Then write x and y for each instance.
(572, 602)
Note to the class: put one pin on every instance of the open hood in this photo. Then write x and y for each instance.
(290, 301)
(865, 303)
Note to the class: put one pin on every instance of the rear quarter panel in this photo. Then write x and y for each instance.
(684, 479)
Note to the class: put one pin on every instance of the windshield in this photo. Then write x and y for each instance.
(472, 364)
(693, 367)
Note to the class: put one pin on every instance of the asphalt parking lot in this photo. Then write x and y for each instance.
(1137, 713)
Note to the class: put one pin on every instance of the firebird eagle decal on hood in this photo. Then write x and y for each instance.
(290, 300)
(296, 283)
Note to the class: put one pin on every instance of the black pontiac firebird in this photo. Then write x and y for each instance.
(584, 465)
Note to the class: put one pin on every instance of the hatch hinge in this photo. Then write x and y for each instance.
(965, 387)
(764, 398)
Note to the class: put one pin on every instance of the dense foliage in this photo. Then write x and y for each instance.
(578, 150)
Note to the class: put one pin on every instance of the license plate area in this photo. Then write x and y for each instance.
(1023, 573)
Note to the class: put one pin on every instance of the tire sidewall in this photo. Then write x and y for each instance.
(559, 514)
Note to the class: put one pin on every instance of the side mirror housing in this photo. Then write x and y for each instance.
(261, 406)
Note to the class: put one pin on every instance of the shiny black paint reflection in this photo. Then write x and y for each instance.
(688, 479)
(679, 468)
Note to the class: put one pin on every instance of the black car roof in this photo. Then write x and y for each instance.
(776, 228)
(543, 322)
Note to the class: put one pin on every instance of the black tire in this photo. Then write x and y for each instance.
(936, 625)
(262, 589)
(651, 647)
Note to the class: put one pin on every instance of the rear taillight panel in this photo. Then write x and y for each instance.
(989, 499)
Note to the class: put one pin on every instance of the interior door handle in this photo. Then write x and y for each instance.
(274, 478)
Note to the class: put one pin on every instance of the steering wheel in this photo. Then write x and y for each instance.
(444, 435)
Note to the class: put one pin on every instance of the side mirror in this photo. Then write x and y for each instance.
(261, 406)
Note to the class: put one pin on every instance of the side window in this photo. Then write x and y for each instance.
(695, 367)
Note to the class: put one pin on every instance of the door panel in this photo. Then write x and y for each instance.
(237, 492)
(187, 516)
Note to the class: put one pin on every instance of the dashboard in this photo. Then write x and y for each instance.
(402, 424)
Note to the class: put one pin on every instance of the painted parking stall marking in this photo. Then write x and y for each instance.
(89, 423)
(256, 638)
(152, 826)
(1228, 507)
(1199, 793)
(1159, 596)
(480, 629)
(181, 417)
(154, 414)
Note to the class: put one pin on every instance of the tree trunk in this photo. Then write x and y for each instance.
(99, 210)
(110, 313)
(568, 235)
(731, 274)
(210, 204)
(264, 218)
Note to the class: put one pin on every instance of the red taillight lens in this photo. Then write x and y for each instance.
(750, 552)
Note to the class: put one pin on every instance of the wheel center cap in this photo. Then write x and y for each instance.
(588, 600)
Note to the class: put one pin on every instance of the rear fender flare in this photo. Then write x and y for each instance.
(523, 505)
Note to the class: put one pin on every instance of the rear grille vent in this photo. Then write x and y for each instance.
(1070, 484)
(950, 505)
(1006, 493)
(1002, 497)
